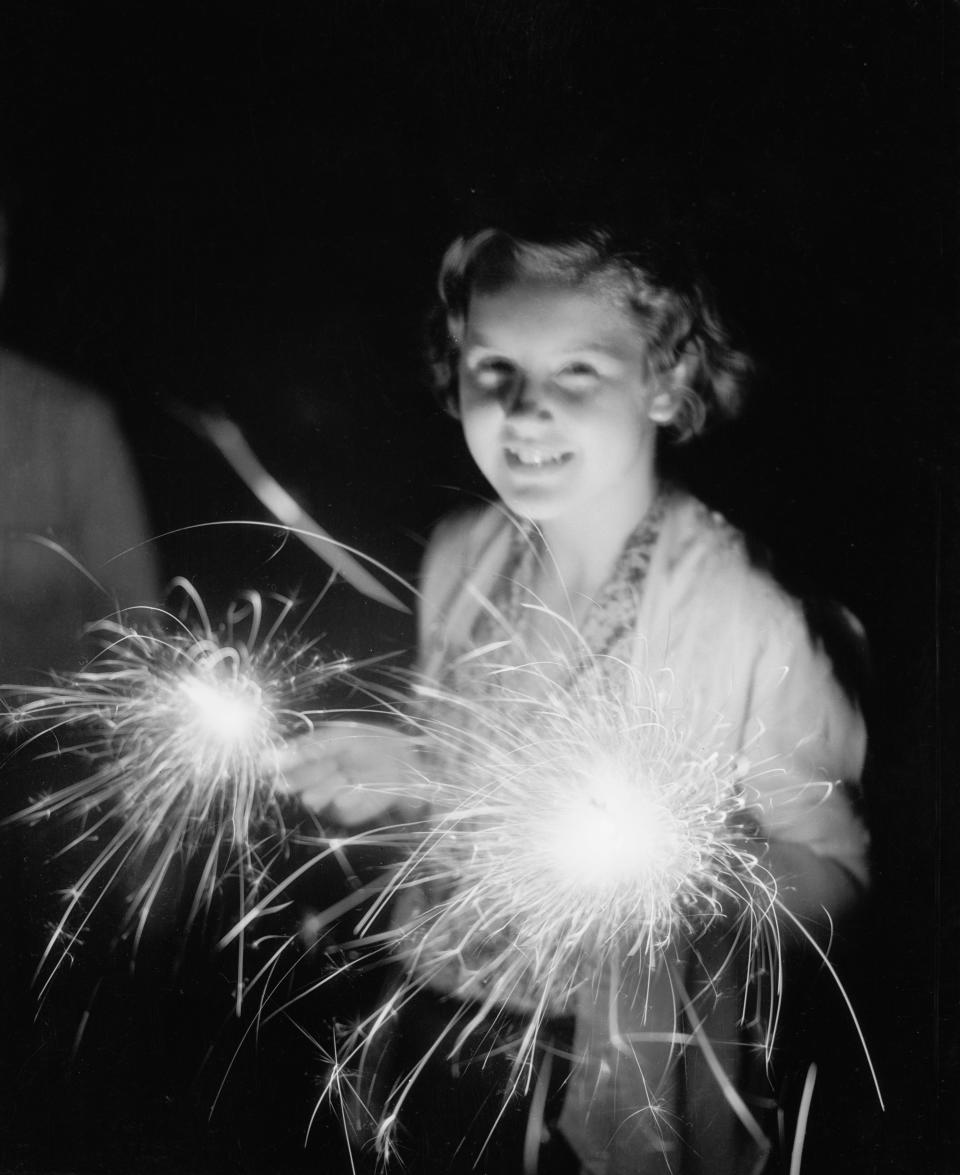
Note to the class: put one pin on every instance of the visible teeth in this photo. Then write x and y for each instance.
(535, 457)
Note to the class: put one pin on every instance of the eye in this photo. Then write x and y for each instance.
(492, 374)
(578, 375)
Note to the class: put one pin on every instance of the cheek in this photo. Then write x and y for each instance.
(480, 422)
(480, 413)
(617, 421)
(619, 440)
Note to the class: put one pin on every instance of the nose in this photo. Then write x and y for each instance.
(526, 396)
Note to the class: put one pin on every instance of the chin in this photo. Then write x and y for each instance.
(535, 507)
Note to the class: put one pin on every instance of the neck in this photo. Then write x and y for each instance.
(584, 551)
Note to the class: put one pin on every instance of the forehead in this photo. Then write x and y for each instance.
(528, 314)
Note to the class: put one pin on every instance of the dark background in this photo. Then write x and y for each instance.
(243, 207)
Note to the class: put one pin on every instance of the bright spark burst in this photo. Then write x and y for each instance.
(582, 822)
(576, 829)
(182, 725)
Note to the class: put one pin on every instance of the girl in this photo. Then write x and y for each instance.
(565, 360)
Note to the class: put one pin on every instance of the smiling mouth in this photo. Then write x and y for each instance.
(534, 457)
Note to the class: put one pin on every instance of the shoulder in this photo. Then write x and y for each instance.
(33, 383)
(468, 530)
(461, 543)
(464, 554)
(705, 564)
(43, 407)
(467, 539)
(714, 599)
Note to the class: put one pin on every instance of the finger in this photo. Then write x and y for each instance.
(323, 796)
(318, 764)
(358, 805)
(308, 748)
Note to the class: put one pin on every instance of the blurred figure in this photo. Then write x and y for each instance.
(67, 485)
(71, 517)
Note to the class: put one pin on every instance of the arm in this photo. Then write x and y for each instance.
(356, 772)
(805, 740)
(812, 886)
(367, 772)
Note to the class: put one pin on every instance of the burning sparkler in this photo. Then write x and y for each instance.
(183, 726)
(574, 833)
(581, 821)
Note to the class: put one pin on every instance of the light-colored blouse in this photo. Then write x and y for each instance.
(687, 606)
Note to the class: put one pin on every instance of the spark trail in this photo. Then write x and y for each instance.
(576, 830)
(182, 726)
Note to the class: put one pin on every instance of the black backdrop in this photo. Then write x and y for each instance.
(242, 207)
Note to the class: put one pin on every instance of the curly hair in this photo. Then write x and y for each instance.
(688, 348)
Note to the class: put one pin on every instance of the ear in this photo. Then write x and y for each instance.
(662, 408)
(666, 402)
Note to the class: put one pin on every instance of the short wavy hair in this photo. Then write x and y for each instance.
(675, 314)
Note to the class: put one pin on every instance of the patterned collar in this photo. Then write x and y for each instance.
(608, 628)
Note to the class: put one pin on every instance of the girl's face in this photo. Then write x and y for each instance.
(555, 402)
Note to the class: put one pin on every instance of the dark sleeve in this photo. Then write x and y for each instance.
(114, 535)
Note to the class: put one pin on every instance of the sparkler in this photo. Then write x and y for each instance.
(183, 727)
(575, 832)
(583, 822)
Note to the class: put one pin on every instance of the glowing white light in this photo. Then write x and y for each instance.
(182, 726)
(610, 833)
(227, 713)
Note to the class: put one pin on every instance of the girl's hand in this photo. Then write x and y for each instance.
(352, 771)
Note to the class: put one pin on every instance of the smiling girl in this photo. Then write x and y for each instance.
(565, 361)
